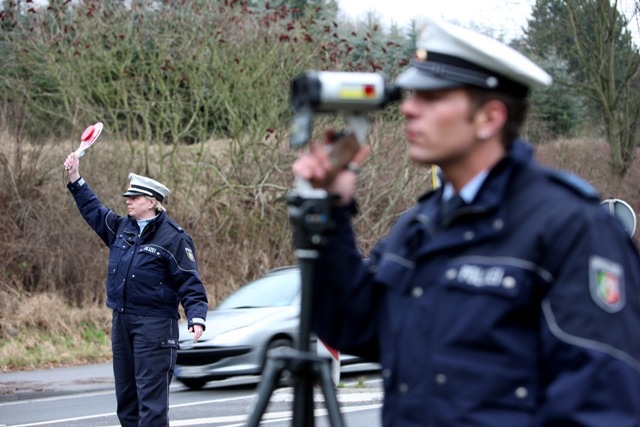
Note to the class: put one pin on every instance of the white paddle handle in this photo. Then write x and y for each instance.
(80, 151)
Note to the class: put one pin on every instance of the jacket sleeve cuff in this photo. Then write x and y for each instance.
(75, 185)
(197, 321)
(347, 211)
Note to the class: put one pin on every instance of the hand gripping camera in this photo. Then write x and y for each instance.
(353, 94)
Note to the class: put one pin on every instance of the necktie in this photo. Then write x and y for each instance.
(415, 236)
(448, 206)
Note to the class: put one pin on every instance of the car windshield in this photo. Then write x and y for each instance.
(273, 290)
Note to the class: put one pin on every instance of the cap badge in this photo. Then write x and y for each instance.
(606, 281)
(492, 82)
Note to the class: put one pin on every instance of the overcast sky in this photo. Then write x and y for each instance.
(505, 17)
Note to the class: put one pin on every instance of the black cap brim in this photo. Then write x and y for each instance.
(130, 193)
(414, 79)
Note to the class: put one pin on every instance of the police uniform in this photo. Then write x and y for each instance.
(520, 307)
(149, 274)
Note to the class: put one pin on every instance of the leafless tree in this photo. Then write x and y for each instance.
(610, 66)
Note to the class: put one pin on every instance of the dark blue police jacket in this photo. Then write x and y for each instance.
(150, 274)
(521, 309)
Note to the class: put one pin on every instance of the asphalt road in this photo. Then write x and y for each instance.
(83, 396)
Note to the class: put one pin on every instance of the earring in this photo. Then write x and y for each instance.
(482, 136)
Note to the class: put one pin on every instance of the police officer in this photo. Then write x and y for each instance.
(152, 268)
(505, 297)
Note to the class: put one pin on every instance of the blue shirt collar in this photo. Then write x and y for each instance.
(469, 191)
(142, 223)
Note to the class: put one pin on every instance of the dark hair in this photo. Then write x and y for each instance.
(517, 109)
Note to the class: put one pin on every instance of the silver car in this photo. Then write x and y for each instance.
(258, 317)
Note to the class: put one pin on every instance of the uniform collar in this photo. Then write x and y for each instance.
(519, 151)
(489, 185)
(469, 191)
(142, 223)
(492, 191)
(151, 223)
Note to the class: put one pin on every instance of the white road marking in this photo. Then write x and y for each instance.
(280, 395)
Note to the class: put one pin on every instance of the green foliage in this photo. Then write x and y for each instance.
(557, 112)
(549, 30)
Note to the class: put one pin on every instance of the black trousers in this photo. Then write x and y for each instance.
(144, 357)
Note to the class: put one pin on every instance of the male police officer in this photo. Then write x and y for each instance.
(518, 305)
(152, 268)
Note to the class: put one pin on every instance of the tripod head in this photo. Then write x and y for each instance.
(309, 214)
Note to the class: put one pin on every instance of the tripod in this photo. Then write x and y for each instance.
(309, 214)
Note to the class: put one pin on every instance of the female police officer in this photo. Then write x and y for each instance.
(519, 305)
(152, 268)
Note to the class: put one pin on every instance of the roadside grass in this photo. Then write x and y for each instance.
(44, 331)
(43, 350)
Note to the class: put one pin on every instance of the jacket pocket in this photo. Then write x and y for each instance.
(112, 270)
(395, 273)
(472, 389)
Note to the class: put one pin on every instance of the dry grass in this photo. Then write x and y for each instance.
(43, 331)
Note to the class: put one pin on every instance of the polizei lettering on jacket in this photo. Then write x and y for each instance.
(150, 249)
(474, 275)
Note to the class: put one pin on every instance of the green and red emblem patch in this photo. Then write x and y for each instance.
(606, 281)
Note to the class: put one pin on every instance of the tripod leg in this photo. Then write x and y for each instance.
(303, 401)
(330, 398)
(268, 383)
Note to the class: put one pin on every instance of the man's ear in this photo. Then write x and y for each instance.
(490, 119)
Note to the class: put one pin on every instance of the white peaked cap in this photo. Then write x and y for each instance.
(449, 56)
(141, 185)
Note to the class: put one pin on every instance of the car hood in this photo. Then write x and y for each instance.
(220, 321)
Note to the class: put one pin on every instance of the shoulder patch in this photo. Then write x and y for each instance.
(575, 183)
(190, 255)
(606, 283)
